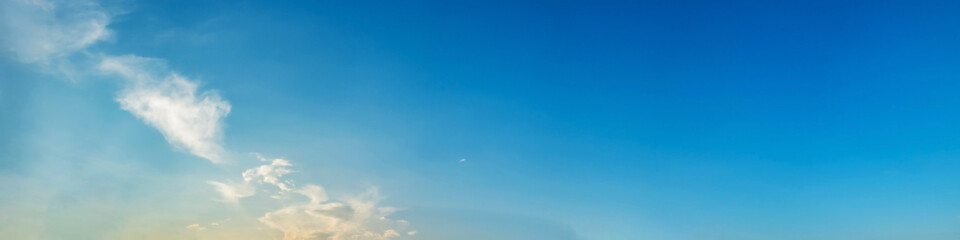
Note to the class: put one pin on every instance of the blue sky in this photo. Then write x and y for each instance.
(573, 120)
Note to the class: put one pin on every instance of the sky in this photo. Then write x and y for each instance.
(475, 120)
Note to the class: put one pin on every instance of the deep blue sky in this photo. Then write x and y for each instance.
(613, 120)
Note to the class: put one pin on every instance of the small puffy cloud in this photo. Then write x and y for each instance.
(463, 160)
(412, 233)
(270, 173)
(358, 218)
(42, 30)
(232, 192)
(188, 119)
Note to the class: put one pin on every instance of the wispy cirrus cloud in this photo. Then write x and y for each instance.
(38, 31)
(187, 118)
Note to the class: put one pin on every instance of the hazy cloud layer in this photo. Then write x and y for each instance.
(464, 224)
(39, 30)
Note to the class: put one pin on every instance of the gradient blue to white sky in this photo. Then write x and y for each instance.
(475, 120)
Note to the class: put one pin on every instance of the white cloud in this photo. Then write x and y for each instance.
(315, 193)
(232, 192)
(39, 30)
(267, 173)
(357, 219)
(188, 119)
(270, 173)
(47, 32)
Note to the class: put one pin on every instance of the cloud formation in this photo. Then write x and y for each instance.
(188, 119)
(270, 173)
(357, 218)
(50, 31)
(37, 31)
(47, 32)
